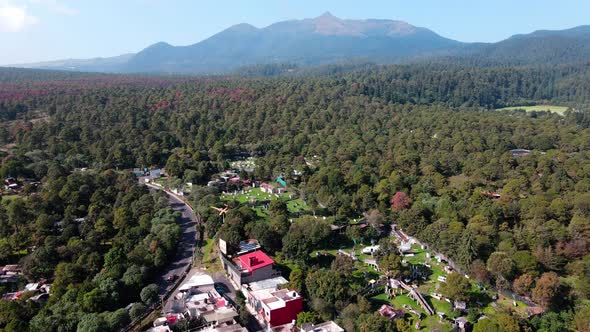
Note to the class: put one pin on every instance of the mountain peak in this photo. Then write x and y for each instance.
(159, 45)
(327, 15)
(243, 27)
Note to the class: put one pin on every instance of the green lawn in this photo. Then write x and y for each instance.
(538, 108)
(255, 195)
(441, 306)
(297, 205)
(161, 181)
(430, 323)
(9, 197)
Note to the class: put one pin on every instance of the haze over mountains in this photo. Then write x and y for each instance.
(327, 39)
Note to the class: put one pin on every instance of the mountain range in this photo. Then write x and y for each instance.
(328, 39)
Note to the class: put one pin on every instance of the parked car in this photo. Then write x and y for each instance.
(220, 288)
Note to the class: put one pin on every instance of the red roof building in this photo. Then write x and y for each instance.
(254, 261)
(249, 267)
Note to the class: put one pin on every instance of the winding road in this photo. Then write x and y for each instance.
(185, 248)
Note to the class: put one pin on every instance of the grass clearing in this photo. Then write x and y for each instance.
(9, 198)
(256, 196)
(210, 259)
(538, 108)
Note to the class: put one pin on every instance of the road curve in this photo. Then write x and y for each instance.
(186, 246)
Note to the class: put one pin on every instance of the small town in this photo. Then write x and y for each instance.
(294, 166)
(208, 293)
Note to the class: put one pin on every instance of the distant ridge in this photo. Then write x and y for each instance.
(327, 39)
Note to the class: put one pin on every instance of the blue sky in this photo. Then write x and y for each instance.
(37, 30)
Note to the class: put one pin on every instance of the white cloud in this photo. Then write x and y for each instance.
(56, 6)
(14, 18)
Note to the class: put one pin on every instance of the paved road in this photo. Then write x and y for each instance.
(186, 246)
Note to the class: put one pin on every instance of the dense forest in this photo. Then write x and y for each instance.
(427, 135)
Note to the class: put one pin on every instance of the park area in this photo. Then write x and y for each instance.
(481, 298)
(259, 200)
(538, 108)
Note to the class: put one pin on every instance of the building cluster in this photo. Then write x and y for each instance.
(199, 299)
(11, 275)
(229, 180)
(13, 186)
(252, 272)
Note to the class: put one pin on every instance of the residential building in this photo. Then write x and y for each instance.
(235, 327)
(197, 298)
(277, 307)
(328, 326)
(249, 267)
(460, 324)
(390, 312)
(198, 282)
(268, 284)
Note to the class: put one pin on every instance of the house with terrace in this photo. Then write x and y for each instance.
(276, 307)
(249, 267)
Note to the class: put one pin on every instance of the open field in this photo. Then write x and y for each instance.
(537, 108)
(256, 196)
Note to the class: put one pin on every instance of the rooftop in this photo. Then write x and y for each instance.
(220, 314)
(248, 246)
(197, 280)
(328, 326)
(254, 260)
(272, 283)
(229, 328)
(275, 299)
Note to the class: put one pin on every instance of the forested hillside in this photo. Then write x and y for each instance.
(429, 131)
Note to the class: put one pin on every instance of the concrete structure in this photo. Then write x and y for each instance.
(328, 326)
(235, 327)
(160, 328)
(276, 307)
(196, 282)
(211, 307)
(370, 250)
(272, 284)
